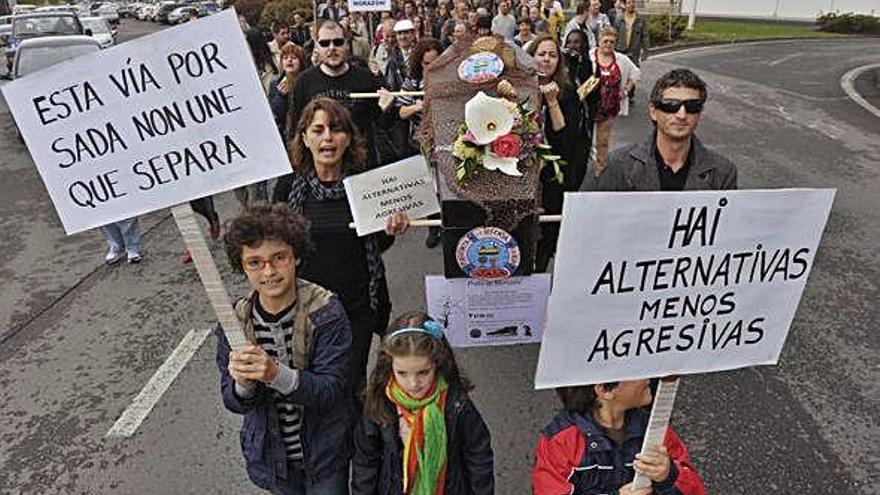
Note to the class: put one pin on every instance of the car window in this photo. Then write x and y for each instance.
(38, 26)
(32, 59)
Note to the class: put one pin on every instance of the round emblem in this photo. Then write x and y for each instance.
(480, 67)
(488, 253)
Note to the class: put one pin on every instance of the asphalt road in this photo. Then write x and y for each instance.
(79, 340)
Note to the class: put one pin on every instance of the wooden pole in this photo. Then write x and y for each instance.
(659, 422)
(426, 222)
(208, 273)
(392, 93)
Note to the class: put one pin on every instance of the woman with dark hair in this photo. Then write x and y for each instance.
(563, 115)
(326, 148)
(266, 67)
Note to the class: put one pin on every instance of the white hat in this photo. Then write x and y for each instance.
(404, 25)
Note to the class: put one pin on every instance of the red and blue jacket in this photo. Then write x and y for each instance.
(574, 456)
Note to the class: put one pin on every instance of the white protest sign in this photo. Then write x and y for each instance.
(369, 5)
(489, 312)
(166, 118)
(652, 284)
(405, 186)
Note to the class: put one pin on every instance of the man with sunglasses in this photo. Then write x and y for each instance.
(289, 380)
(672, 158)
(335, 77)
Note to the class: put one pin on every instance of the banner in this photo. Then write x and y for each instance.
(489, 312)
(405, 186)
(660, 283)
(166, 118)
(369, 5)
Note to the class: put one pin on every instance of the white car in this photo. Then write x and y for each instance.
(38, 53)
(99, 29)
(180, 14)
(108, 12)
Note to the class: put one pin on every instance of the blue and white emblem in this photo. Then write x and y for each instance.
(488, 253)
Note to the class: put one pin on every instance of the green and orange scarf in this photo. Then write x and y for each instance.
(424, 450)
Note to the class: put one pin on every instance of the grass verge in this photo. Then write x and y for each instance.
(737, 30)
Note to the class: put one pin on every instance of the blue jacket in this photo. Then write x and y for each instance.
(326, 409)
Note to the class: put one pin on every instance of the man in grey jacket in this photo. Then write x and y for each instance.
(672, 158)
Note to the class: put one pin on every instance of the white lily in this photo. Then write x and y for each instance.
(487, 118)
(491, 161)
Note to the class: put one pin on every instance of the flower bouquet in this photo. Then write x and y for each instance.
(499, 134)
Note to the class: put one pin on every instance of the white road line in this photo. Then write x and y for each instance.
(847, 82)
(140, 407)
(784, 59)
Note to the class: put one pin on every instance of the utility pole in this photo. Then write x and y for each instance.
(692, 18)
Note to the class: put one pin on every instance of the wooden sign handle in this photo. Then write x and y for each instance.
(659, 422)
(186, 221)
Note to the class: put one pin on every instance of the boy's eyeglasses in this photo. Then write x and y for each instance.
(278, 260)
(668, 105)
(337, 42)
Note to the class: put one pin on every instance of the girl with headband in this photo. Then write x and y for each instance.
(420, 433)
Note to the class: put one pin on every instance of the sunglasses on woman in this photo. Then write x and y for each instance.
(669, 105)
(336, 42)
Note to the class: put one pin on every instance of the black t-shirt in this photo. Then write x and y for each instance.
(670, 180)
(314, 83)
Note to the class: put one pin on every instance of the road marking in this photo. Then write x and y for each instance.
(847, 82)
(140, 407)
(784, 59)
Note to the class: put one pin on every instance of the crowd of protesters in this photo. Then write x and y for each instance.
(316, 422)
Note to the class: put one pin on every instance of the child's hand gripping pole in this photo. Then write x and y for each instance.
(664, 399)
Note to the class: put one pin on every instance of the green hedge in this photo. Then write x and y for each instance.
(849, 23)
(658, 28)
(282, 10)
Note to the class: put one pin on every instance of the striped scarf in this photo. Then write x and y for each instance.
(424, 451)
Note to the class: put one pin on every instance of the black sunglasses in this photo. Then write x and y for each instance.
(335, 41)
(668, 105)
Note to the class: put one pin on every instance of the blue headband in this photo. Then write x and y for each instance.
(429, 327)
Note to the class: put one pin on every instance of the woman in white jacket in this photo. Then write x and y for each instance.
(617, 75)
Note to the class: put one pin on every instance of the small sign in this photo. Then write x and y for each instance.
(480, 67)
(401, 187)
(369, 5)
(488, 253)
(151, 123)
(677, 283)
(489, 312)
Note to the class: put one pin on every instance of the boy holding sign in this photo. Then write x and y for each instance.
(592, 446)
(289, 380)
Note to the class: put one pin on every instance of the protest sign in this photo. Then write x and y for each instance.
(489, 312)
(166, 118)
(405, 186)
(652, 284)
(369, 5)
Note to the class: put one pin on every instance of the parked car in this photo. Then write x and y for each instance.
(35, 54)
(181, 14)
(39, 53)
(36, 25)
(208, 8)
(164, 10)
(99, 29)
(109, 12)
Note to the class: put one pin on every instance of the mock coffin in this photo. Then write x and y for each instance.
(481, 130)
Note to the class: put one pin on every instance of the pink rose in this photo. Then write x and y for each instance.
(507, 146)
